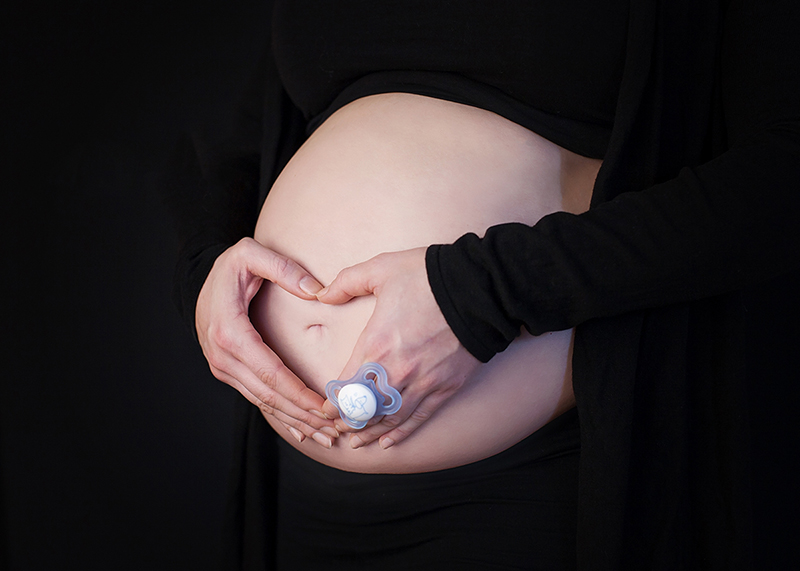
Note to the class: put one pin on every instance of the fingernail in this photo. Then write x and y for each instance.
(322, 292)
(356, 442)
(310, 285)
(322, 439)
(299, 436)
(330, 431)
(386, 443)
(339, 425)
(322, 415)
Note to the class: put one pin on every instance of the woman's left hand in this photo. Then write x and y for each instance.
(408, 335)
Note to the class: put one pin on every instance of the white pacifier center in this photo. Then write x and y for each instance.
(357, 402)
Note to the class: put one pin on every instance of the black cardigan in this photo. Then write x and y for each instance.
(694, 201)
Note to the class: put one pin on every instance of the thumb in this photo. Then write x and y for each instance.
(351, 282)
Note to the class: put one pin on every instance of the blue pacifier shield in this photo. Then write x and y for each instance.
(366, 395)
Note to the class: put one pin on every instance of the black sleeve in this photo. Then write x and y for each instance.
(214, 189)
(718, 227)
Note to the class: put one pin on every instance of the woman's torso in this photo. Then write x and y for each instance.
(396, 171)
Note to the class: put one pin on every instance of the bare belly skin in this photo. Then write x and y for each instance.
(396, 171)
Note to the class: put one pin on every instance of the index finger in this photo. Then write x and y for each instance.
(281, 270)
(295, 397)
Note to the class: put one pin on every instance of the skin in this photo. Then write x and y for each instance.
(234, 349)
(405, 331)
(408, 335)
(427, 360)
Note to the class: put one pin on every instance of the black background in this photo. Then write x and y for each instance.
(116, 441)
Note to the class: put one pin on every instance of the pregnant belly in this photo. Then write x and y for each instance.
(397, 171)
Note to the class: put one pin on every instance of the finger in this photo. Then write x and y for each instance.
(371, 433)
(329, 410)
(355, 281)
(340, 425)
(259, 374)
(280, 270)
(392, 431)
(271, 404)
(382, 425)
(299, 436)
(281, 395)
(270, 373)
(417, 418)
(323, 435)
(281, 403)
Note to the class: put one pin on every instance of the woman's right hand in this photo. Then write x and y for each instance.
(234, 349)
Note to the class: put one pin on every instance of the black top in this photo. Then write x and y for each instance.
(552, 67)
(697, 197)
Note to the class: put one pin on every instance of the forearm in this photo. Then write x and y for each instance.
(717, 227)
(702, 234)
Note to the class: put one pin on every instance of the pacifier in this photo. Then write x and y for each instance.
(366, 395)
